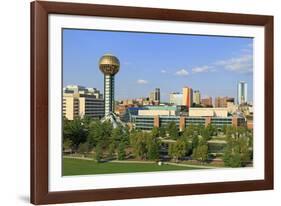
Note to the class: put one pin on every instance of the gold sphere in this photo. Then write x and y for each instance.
(109, 64)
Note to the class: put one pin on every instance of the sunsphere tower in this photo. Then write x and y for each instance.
(109, 66)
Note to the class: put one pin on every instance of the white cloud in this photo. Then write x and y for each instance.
(163, 71)
(182, 72)
(201, 69)
(242, 64)
(248, 49)
(127, 63)
(250, 45)
(142, 81)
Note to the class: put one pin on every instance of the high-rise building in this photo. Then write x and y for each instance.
(187, 98)
(207, 102)
(222, 101)
(157, 94)
(242, 92)
(109, 66)
(176, 98)
(79, 101)
(154, 96)
(197, 97)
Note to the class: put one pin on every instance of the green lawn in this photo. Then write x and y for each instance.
(87, 167)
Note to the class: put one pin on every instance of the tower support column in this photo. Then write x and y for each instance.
(108, 94)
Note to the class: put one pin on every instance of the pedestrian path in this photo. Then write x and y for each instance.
(147, 162)
(190, 165)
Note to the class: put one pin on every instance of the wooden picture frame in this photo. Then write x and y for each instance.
(39, 102)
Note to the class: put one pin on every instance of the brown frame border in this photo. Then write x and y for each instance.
(39, 102)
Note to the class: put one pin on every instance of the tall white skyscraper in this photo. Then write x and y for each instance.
(242, 92)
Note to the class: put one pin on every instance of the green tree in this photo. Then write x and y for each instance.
(138, 143)
(171, 151)
(86, 121)
(188, 147)
(95, 135)
(189, 132)
(99, 133)
(83, 148)
(111, 149)
(201, 151)
(67, 144)
(206, 133)
(232, 160)
(200, 129)
(75, 131)
(144, 145)
(126, 136)
(121, 151)
(107, 131)
(173, 130)
(155, 132)
(117, 135)
(152, 146)
(224, 129)
(177, 150)
(239, 147)
(195, 141)
(162, 132)
(98, 152)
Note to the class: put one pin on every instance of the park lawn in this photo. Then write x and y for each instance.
(88, 167)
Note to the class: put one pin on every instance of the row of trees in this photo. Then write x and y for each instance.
(172, 131)
(87, 135)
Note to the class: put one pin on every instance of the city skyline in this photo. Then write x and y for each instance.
(173, 58)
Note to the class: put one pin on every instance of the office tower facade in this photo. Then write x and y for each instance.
(222, 101)
(154, 96)
(79, 101)
(109, 66)
(187, 98)
(197, 97)
(157, 95)
(219, 117)
(242, 92)
(207, 102)
(175, 98)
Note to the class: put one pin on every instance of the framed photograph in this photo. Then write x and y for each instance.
(131, 102)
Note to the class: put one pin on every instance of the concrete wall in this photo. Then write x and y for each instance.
(208, 112)
(157, 112)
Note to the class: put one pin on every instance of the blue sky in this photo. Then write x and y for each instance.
(211, 64)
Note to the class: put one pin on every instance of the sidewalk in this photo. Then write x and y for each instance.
(147, 162)
(194, 166)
